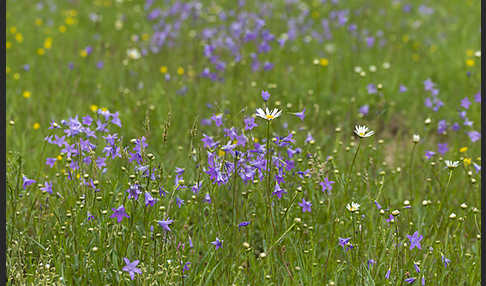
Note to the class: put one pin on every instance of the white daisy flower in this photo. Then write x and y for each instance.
(352, 207)
(451, 164)
(362, 131)
(267, 115)
(133, 54)
(416, 138)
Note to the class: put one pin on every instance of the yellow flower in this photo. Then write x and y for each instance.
(324, 62)
(104, 109)
(463, 149)
(433, 48)
(69, 21)
(59, 157)
(255, 140)
(48, 43)
(26, 94)
(13, 30)
(83, 53)
(221, 153)
(93, 107)
(8, 45)
(62, 28)
(180, 71)
(16, 76)
(467, 161)
(470, 63)
(145, 36)
(469, 52)
(78, 176)
(40, 51)
(38, 22)
(163, 69)
(19, 38)
(36, 126)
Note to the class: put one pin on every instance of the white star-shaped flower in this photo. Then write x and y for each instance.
(362, 131)
(267, 115)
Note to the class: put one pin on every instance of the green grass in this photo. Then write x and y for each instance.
(300, 248)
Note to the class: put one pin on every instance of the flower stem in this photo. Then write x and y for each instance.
(410, 183)
(351, 167)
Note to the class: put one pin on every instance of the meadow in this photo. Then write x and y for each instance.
(243, 142)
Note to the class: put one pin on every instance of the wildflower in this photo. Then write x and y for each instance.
(26, 94)
(445, 260)
(267, 115)
(243, 224)
(477, 97)
(119, 213)
(345, 244)
(474, 136)
(326, 185)
(186, 267)
(163, 69)
(442, 148)
(165, 223)
(149, 200)
(387, 275)
(27, 182)
(477, 167)
(378, 206)
(371, 262)
(463, 149)
(410, 280)
(451, 164)
(362, 131)
(416, 267)
(441, 127)
(218, 119)
(415, 240)
(50, 162)
(47, 187)
(180, 71)
(364, 109)
(352, 207)
(371, 89)
(301, 114)
(218, 243)
(429, 154)
(324, 62)
(306, 206)
(133, 54)
(90, 216)
(278, 191)
(207, 198)
(131, 267)
(416, 138)
(133, 191)
(179, 202)
(249, 123)
(465, 103)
